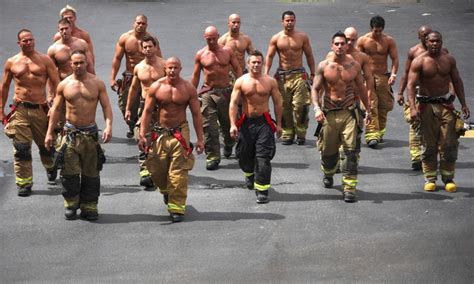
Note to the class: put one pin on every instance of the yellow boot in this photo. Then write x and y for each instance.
(450, 187)
(430, 186)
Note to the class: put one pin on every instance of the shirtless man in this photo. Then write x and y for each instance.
(145, 73)
(170, 157)
(340, 79)
(60, 51)
(292, 78)
(129, 44)
(432, 71)
(379, 46)
(27, 121)
(215, 61)
(414, 139)
(364, 62)
(80, 92)
(69, 13)
(236, 40)
(256, 141)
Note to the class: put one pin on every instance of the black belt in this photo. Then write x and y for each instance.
(435, 100)
(29, 105)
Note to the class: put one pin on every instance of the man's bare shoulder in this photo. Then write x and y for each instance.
(276, 36)
(227, 49)
(365, 37)
(223, 39)
(80, 42)
(125, 36)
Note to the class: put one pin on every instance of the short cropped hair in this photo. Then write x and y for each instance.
(79, 51)
(378, 22)
(149, 38)
(288, 13)
(339, 34)
(256, 53)
(68, 8)
(64, 21)
(23, 31)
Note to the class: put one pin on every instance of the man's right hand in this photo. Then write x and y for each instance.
(142, 143)
(48, 141)
(320, 117)
(414, 114)
(113, 85)
(127, 115)
(400, 99)
(234, 132)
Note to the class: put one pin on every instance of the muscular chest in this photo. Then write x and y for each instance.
(373, 47)
(432, 68)
(335, 73)
(132, 47)
(149, 74)
(168, 95)
(80, 91)
(28, 68)
(210, 59)
(236, 45)
(286, 43)
(255, 87)
(62, 55)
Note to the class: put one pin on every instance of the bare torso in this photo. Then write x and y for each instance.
(81, 99)
(172, 101)
(255, 93)
(149, 73)
(239, 45)
(290, 49)
(216, 66)
(132, 49)
(378, 51)
(434, 73)
(339, 78)
(60, 53)
(30, 76)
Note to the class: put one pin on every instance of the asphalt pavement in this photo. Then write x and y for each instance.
(396, 232)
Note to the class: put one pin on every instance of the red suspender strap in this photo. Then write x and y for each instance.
(177, 134)
(270, 122)
(241, 120)
(8, 116)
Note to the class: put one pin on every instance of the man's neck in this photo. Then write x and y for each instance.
(234, 35)
(150, 60)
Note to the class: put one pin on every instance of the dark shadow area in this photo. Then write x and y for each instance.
(192, 214)
(51, 189)
(109, 190)
(465, 165)
(209, 183)
(367, 170)
(233, 165)
(290, 165)
(335, 193)
(121, 160)
(106, 218)
(391, 143)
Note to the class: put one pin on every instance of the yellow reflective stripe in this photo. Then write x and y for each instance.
(248, 174)
(372, 136)
(329, 172)
(382, 132)
(261, 187)
(71, 202)
(144, 173)
(23, 181)
(349, 182)
(175, 207)
(89, 206)
(447, 173)
(431, 174)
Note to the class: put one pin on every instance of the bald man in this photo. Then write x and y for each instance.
(236, 40)
(215, 61)
(170, 158)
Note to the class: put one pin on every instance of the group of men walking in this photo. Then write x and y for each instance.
(350, 89)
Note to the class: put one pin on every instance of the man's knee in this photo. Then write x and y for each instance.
(90, 188)
(71, 185)
(450, 153)
(22, 151)
(430, 153)
(349, 164)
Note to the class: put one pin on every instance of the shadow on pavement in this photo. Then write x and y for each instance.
(108, 190)
(290, 165)
(121, 140)
(192, 214)
(367, 170)
(106, 218)
(121, 160)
